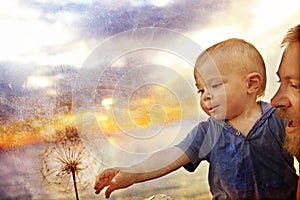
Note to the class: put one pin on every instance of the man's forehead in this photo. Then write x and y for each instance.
(290, 64)
(285, 72)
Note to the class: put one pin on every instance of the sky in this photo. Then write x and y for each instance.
(50, 33)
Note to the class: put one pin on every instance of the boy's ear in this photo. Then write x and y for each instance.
(254, 82)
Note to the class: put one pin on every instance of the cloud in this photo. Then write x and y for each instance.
(29, 36)
(64, 32)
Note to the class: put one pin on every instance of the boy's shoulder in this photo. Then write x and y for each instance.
(267, 109)
(269, 112)
(265, 106)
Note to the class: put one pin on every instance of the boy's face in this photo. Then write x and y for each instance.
(222, 88)
(287, 98)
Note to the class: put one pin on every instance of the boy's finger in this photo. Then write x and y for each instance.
(100, 184)
(103, 178)
(98, 188)
(112, 187)
(109, 190)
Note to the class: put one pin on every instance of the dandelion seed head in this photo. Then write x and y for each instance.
(67, 155)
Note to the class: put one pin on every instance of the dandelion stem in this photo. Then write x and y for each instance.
(74, 183)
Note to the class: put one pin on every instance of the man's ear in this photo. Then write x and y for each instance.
(254, 82)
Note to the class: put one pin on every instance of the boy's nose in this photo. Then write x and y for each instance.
(207, 95)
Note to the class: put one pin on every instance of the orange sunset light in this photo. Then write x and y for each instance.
(20, 133)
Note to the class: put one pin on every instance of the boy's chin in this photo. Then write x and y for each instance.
(219, 117)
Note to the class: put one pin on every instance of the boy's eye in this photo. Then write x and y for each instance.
(216, 85)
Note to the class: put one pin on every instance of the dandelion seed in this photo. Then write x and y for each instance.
(64, 159)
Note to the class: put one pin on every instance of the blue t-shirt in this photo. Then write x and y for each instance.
(255, 166)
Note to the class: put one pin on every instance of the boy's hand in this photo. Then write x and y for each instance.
(113, 178)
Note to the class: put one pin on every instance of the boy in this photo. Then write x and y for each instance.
(242, 140)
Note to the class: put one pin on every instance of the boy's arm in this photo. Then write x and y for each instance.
(157, 165)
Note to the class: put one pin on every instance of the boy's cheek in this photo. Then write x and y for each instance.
(204, 108)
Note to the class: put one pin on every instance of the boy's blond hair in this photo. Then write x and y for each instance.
(241, 54)
(293, 35)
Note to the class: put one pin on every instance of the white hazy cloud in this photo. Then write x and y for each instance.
(27, 38)
(30, 36)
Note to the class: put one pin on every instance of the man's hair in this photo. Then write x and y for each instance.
(243, 55)
(293, 35)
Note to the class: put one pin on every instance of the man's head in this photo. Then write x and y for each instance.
(287, 98)
(226, 75)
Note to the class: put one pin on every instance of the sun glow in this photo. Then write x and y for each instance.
(161, 3)
(107, 103)
(38, 82)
